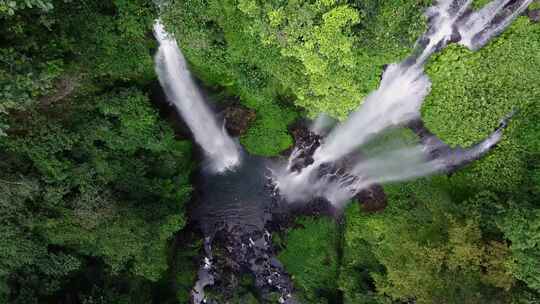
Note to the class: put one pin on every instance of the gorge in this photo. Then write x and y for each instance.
(267, 151)
(241, 195)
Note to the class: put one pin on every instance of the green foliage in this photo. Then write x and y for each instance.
(10, 7)
(358, 261)
(244, 293)
(472, 91)
(311, 256)
(93, 173)
(324, 56)
(477, 4)
(106, 179)
(522, 228)
(115, 46)
(318, 37)
(91, 39)
(87, 171)
(23, 80)
(185, 268)
(200, 29)
(93, 184)
(267, 136)
(112, 171)
(115, 289)
(534, 5)
(461, 239)
(428, 249)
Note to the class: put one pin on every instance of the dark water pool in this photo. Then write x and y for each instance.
(239, 198)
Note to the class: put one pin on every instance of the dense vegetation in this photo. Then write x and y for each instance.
(93, 182)
(324, 56)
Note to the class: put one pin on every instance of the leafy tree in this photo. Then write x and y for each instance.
(428, 250)
(522, 228)
(10, 7)
(107, 180)
(311, 255)
(93, 184)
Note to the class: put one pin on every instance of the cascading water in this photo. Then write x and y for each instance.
(479, 27)
(235, 204)
(322, 124)
(237, 208)
(171, 67)
(396, 102)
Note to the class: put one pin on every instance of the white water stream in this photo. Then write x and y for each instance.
(397, 101)
(221, 150)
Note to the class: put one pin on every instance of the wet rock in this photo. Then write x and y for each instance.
(534, 15)
(306, 142)
(316, 207)
(372, 199)
(237, 119)
(235, 214)
(236, 251)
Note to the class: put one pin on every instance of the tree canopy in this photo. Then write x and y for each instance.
(95, 181)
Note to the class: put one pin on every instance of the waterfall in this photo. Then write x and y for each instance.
(479, 27)
(396, 102)
(221, 150)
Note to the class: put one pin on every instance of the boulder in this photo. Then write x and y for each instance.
(534, 15)
(372, 199)
(237, 119)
